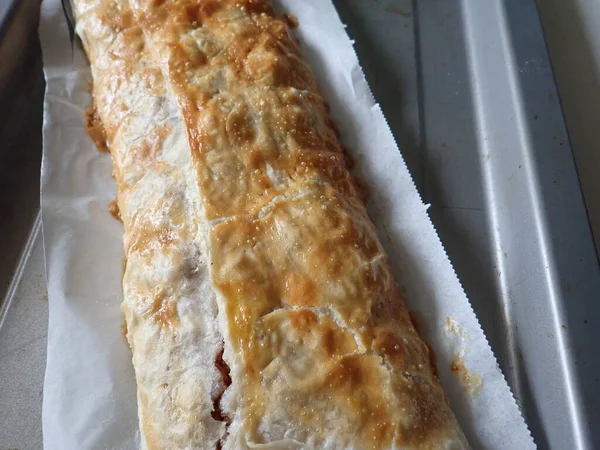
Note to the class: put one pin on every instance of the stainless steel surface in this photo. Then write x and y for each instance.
(541, 314)
(573, 37)
(471, 97)
(23, 301)
(23, 354)
(468, 91)
(17, 21)
(20, 121)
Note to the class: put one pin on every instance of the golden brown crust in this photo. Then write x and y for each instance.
(228, 165)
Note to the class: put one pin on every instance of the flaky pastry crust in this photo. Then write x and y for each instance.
(260, 306)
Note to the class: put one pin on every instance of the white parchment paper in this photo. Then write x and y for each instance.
(89, 391)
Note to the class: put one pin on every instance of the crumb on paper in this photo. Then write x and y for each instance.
(471, 381)
(453, 327)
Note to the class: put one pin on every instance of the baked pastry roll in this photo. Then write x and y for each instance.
(260, 307)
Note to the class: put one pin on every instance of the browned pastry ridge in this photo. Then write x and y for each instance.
(260, 306)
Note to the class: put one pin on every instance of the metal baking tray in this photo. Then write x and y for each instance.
(469, 93)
